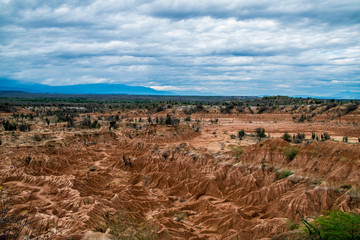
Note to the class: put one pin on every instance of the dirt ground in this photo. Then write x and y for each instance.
(180, 182)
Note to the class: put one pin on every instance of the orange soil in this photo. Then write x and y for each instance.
(177, 170)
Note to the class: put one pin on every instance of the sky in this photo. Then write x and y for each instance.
(220, 47)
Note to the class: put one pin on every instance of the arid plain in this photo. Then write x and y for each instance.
(179, 171)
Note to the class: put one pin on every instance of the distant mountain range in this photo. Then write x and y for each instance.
(340, 95)
(347, 95)
(107, 88)
(96, 88)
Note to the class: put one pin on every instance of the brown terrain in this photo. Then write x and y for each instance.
(188, 181)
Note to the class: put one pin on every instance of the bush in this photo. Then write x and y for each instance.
(350, 108)
(325, 136)
(334, 225)
(37, 137)
(286, 137)
(8, 126)
(262, 109)
(299, 138)
(301, 119)
(291, 152)
(284, 174)
(187, 119)
(313, 136)
(260, 132)
(113, 125)
(86, 123)
(24, 127)
(241, 134)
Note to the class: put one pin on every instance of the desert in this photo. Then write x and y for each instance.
(231, 169)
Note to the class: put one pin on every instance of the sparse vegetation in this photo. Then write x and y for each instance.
(260, 132)
(241, 134)
(299, 138)
(286, 137)
(325, 136)
(237, 151)
(284, 174)
(134, 153)
(9, 126)
(291, 152)
(334, 225)
(125, 227)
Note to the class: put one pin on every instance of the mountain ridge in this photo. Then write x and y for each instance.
(94, 88)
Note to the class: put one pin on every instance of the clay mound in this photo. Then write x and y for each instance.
(188, 193)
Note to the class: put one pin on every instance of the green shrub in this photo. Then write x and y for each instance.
(292, 225)
(237, 151)
(346, 186)
(9, 126)
(286, 137)
(260, 132)
(325, 136)
(291, 152)
(187, 119)
(299, 137)
(350, 108)
(334, 225)
(313, 136)
(284, 174)
(241, 134)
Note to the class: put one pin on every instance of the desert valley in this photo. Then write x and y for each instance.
(176, 169)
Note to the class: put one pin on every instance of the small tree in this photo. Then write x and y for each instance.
(8, 126)
(286, 137)
(325, 136)
(313, 136)
(260, 132)
(241, 134)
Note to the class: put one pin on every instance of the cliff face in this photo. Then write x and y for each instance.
(78, 182)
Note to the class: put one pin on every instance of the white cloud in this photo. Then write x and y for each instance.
(222, 45)
(166, 88)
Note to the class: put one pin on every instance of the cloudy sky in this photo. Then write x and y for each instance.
(223, 47)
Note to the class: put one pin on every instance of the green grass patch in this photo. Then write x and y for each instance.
(237, 151)
(284, 174)
(291, 152)
(334, 225)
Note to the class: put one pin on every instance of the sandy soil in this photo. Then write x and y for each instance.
(186, 184)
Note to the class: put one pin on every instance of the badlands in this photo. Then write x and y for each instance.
(176, 172)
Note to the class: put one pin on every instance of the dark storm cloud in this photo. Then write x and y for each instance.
(235, 47)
